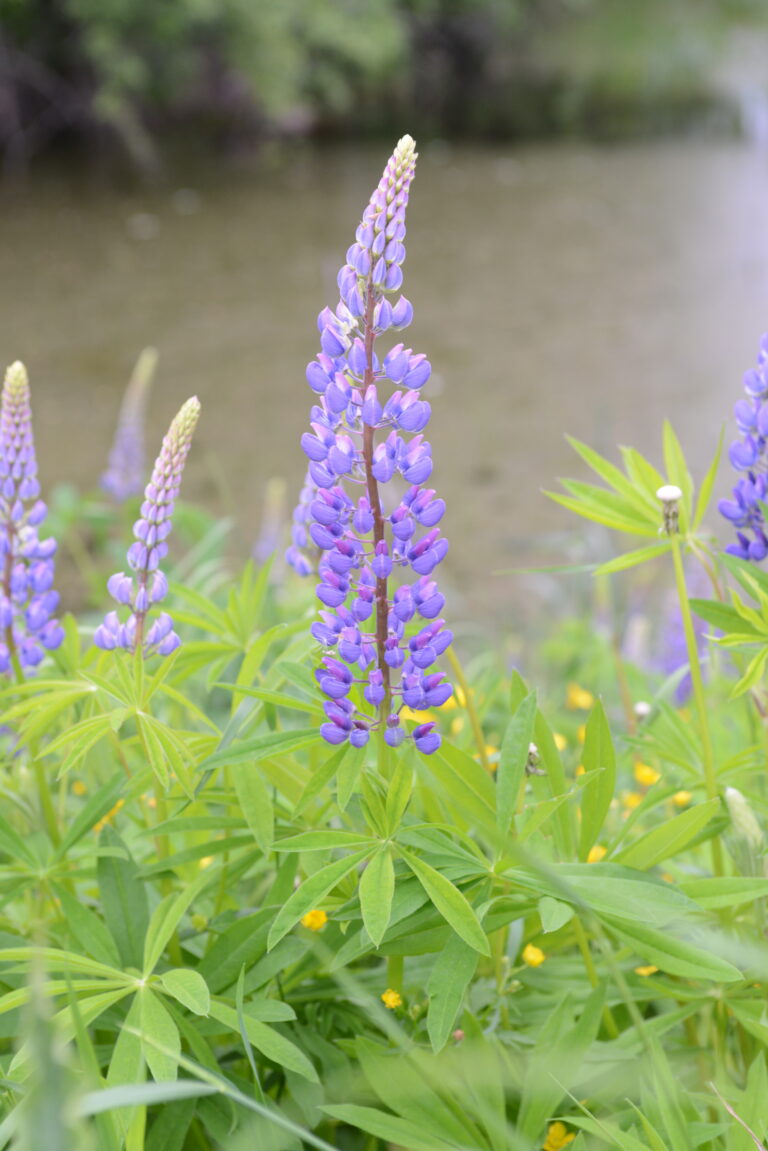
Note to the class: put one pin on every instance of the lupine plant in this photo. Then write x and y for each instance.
(239, 908)
(124, 474)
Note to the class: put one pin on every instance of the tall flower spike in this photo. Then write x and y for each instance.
(381, 641)
(27, 598)
(147, 586)
(127, 459)
(749, 455)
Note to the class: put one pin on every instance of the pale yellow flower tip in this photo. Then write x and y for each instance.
(581, 769)
(560, 741)
(682, 798)
(206, 861)
(581, 732)
(391, 999)
(532, 955)
(647, 969)
(79, 788)
(457, 723)
(315, 919)
(596, 853)
(16, 379)
(558, 1136)
(646, 775)
(578, 698)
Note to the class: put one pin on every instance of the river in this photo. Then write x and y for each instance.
(556, 289)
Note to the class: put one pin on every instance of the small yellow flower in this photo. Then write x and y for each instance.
(581, 769)
(596, 853)
(532, 955)
(457, 723)
(416, 716)
(632, 799)
(557, 1136)
(79, 788)
(391, 999)
(199, 922)
(648, 969)
(109, 816)
(682, 798)
(315, 920)
(206, 861)
(560, 741)
(645, 775)
(581, 732)
(578, 698)
(458, 699)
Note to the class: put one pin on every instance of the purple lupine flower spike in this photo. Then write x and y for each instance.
(146, 587)
(27, 598)
(749, 455)
(125, 471)
(384, 638)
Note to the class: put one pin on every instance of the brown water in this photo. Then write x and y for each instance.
(556, 289)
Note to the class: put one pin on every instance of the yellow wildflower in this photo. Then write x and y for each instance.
(560, 741)
(109, 816)
(581, 769)
(596, 853)
(416, 716)
(578, 698)
(391, 999)
(581, 732)
(315, 920)
(632, 799)
(457, 723)
(532, 956)
(648, 969)
(206, 861)
(682, 798)
(79, 788)
(458, 699)
(557, 1136)
(645, 775)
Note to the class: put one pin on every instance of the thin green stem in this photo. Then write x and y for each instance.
(697, 683)
(594, 979)
(395, 973)
(474, 719)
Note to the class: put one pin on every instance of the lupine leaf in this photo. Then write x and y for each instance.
(668, 838)
(377, 887)
(449, 901)
(598, 755)
(446, 988)
(165, 919)
(310, 892)
(256, 804)
(123, 899)
(512, 760)
(156, 1024)
(261, 747)
(266, 1040)
(632, 559)
(189, 988)
(673, 955)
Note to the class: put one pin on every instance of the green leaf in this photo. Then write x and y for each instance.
(708, 483)
(673, 955)
(677, 473)
(449, 901)
(324, 840)
(729, 891)
(95, 809)
(310, 892)
(166, 918)
(261, 747)
(720, 615)
(256, 805)
(633, 558)
(598, 755)
(389, 1128)
(446, 988)
(88, 929)
(553, 913)
(377, 887)
(668, 838)
(266, 1040)
(157, 1025)
(512, 760)
(188, 988)
(399, 790)
(123, 898)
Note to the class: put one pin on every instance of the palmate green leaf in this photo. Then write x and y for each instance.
(260, 747)
(643, 501)
(266, 1040)
(450, 902)
(721, 615)
(212, 848)
(162, 1055)
(467, 786)
(377, 888)
(188, 988)
(726, 891)
(753, 675)
(389, 1128)
(602, 512)
(239, 945)
(673, 955)
(399, 790)
(678, 474)
(598, 756)
(123, 898)
(255, 801)
(324, 840)
(512, 760)
(311, 891)
(54, 959)
(448, 982)
(127, 1063)
(82, 737)
(13, 1000)
(641, 471)
(63, 1021)
(277, 698)
(88, 929)
(322, 776)
(669, 838)
(166, 918)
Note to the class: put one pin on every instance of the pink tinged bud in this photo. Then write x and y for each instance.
(419, 372)
(396, 363)
(362, 521)
(372, 410)
(382, 316)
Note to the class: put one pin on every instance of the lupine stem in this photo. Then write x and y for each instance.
(697, 683)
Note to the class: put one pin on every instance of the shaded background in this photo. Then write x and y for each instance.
(587, 249)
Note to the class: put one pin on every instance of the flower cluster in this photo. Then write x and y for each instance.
(749, 455)
(125, 469)
(370, 672)
(27, 598)
(147, 586)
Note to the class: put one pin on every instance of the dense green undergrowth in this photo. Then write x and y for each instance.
(219, 932)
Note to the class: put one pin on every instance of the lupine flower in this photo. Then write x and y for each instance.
(381, 642)
(146, 587)
(27, 598)
(126, 467)
(748, 455)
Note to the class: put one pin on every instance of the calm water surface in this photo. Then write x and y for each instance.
(556, 289)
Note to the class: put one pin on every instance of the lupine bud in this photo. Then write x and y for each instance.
(148, 585)
(125, 470)
(27, 602)
(357, 561)
(749, 455)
